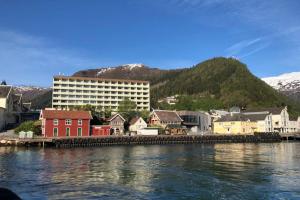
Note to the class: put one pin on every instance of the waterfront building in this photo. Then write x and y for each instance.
(102, 93)
(196, 121)
(65, 123)
(164, 117)
(280, 118)
(263, 119)
(147, 131)
(136, 124)
(11, 107)
(101, 130)
(235, 124)
(298, 124)
(116, 122)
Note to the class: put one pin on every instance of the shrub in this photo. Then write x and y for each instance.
(33, 126)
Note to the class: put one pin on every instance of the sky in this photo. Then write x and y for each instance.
(39, 39)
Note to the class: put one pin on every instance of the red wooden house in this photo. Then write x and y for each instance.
(64, 123)
(101, 130)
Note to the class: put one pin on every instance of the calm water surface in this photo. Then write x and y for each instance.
(221, 171)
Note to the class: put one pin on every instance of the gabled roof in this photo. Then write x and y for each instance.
(65, 114)
(135, 119)
(114, 116)
(167, 116)
(17, 98)
(243, 117)
(5, 90)
(274, 111)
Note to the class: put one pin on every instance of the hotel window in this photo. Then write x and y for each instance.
(80, 122)
(68, 132)
(79, 131)
(55, 132)
(68, 121)
(55, 122)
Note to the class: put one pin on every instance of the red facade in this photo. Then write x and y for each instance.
(61, 123)
(101, 130)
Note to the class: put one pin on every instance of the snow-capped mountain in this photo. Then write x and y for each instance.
(288, 84)
(284, 82)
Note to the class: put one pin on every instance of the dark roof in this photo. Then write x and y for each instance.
(168, 116)
(66, 114)
(274, 111)
(134, 120)
(191, 113)
(242, 117)
(4, 90)
(114, 116)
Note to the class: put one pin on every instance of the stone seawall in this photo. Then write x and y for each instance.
(164, 139)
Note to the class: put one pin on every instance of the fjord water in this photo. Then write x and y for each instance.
(194, 171)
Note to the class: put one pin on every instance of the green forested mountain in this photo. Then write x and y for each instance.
(220, 82)
(215, 83)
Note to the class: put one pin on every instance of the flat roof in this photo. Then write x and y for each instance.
(103, 79)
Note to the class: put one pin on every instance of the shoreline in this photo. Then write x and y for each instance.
(142, 140)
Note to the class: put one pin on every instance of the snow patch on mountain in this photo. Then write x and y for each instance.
(133, 66)
(103, 70)
(23, 88)
(284, 82)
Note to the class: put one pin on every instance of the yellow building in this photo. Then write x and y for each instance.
(242, 124)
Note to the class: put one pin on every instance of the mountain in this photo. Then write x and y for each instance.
(288, 84)
(130, 71)
(214, 83)
(219, 81)
(39, 97)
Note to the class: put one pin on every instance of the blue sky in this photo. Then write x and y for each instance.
(39, 39)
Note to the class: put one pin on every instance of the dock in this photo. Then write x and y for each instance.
(68, 142)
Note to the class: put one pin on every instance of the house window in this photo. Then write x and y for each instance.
(79, 131)
(55, 132)
(80, 122)
(68, 132)
(55, 122)
(68, 121)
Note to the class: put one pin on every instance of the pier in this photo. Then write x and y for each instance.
(68, 142)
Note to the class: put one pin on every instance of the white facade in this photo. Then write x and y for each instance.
(293, 126)
(265, 125)
(281, 121)
(139, 124)
(102, 93)
(147, 132)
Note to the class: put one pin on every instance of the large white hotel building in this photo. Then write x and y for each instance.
(70, 91)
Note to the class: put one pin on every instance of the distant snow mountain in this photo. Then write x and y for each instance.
(39, 97)
(288, 83)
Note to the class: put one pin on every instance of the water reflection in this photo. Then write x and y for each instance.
(220, 171)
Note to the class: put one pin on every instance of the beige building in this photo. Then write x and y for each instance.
(10, 107)
(263, 120)
(235, 124)
(103, 93)
(137, 123)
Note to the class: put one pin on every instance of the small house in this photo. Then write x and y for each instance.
(117, 124)
(136, 124)
(164, 117)
(65, 123)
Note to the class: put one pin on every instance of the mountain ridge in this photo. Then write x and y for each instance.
(226, 81)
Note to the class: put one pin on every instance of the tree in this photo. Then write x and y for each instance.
(34, 126)
(126, 106)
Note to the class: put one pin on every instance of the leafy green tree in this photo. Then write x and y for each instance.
(34, 126)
